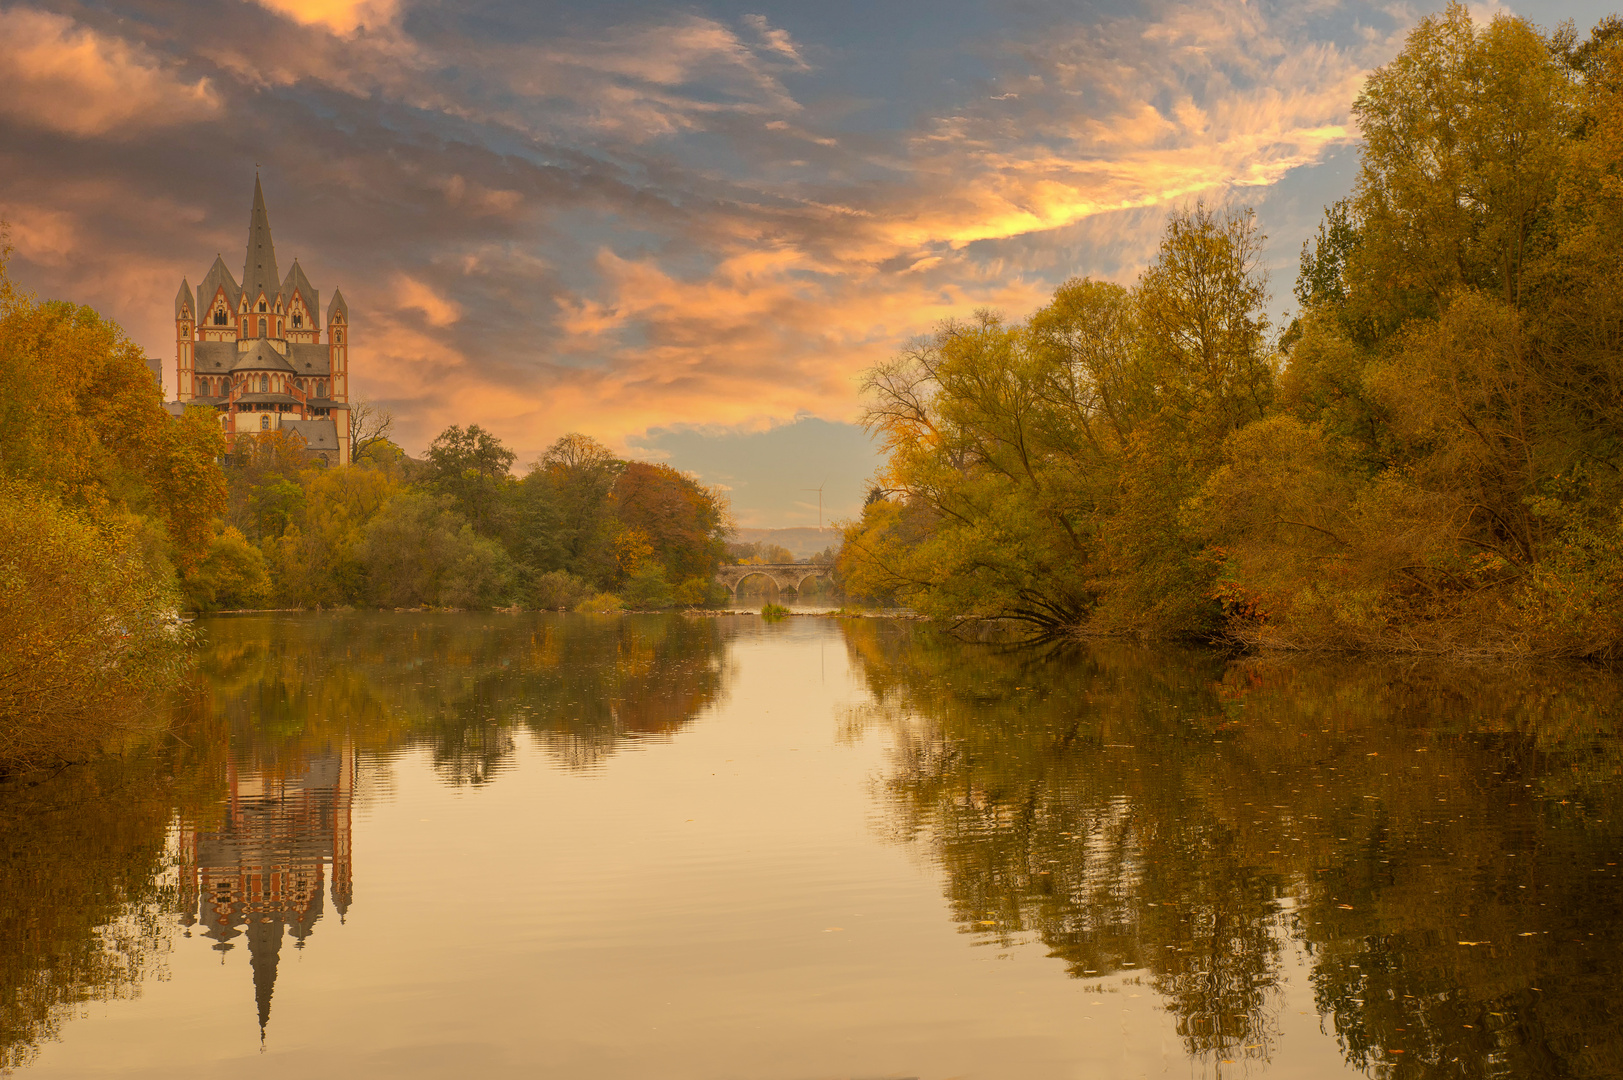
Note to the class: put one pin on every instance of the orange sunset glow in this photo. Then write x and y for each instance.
(645, 220)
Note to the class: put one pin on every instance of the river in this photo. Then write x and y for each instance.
(493, 845)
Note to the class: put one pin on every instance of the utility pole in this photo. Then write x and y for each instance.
(819, 489)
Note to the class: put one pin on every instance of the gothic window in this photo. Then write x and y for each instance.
(262, 329)
(262, 305)
(338, 336)
(323, 385)
(264, 384)
(298, 320)
(264, 423)
(219, 316)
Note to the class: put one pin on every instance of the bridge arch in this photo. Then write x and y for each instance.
(783, 575)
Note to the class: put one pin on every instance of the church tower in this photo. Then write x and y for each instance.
(254, 351)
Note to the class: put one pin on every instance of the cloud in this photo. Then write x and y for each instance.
(673, 219)
(59, 75)
(340, 16)
(411, 294)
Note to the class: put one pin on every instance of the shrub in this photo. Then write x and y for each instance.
(557, 590)
(647, 588)
(702, 592)
(231, 575)
(599, 602)
(91, 634)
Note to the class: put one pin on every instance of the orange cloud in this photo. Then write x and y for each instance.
(411, 294)
(59, 75)
(340, 16)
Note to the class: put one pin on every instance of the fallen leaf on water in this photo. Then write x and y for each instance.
(1345, 907)
(1476, 943)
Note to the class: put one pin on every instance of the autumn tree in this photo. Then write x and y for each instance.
(683, 523)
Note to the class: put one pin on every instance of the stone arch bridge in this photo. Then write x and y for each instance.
(784, 575)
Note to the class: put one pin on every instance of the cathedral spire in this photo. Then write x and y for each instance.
(259, 270)
(264, 954)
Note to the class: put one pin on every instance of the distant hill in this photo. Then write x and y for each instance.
(803, 542)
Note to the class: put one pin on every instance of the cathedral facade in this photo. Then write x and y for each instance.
(255, 352)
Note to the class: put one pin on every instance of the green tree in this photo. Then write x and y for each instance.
(582, 472)
(471, 466)
(418, 551)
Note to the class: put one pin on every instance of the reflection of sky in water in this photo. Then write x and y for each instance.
(697, 847)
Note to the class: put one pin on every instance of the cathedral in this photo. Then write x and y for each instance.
(254, 351)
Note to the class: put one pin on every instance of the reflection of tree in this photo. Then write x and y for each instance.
(1186, 815)
(634, 677)
(459, 684)
(83, 913)
(270, 740)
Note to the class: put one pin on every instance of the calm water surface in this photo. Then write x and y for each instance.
(583, 846)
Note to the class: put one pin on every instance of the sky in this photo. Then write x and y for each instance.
(684, 229)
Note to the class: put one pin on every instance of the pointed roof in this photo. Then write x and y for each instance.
(296, 282)
(183, 300)
(259, 269)
(216, 279)
(261, 357)
(336, 306)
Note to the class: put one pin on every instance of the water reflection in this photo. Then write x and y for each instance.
(263, 870)
(462, 684)
(1422, 857)
(1440, 844)
(84, 892)
(236, 823)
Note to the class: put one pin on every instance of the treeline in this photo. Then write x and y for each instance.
(1430, 457)
(116, 516)
(580, 529)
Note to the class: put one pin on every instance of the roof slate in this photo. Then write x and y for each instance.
(259, 268)
(319, 434)
(183, 300)
(296, 282)
(217, 278)
(337, 305)
(309, 359)
(261, 357)
(214, 357)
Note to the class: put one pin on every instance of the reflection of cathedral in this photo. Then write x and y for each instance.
(262, 871)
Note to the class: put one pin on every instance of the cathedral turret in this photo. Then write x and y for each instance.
(338, 349)
(184, 321)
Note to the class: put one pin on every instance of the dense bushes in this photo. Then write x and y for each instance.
(1429, 458)
(90, 634)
